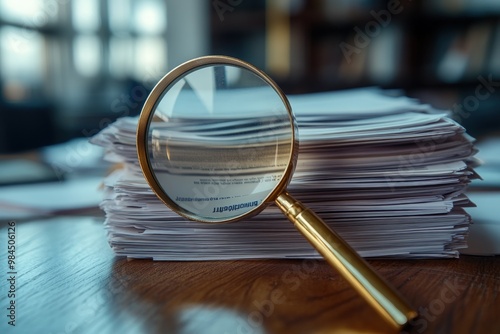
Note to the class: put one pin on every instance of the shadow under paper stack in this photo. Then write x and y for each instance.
(387, 173)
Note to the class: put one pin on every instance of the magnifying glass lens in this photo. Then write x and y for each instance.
(217, 142)
(220, 141)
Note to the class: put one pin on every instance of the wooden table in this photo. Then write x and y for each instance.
(67, 280)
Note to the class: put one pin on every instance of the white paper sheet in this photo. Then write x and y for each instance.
(388, 173)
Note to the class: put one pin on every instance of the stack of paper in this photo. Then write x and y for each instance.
(387, 173)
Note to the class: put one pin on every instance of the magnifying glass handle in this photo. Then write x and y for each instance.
(350, 265)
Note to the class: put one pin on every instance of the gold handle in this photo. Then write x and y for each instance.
(350, 265)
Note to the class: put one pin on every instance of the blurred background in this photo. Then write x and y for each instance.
(70, 67)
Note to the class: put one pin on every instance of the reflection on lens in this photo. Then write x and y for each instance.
(219, 142)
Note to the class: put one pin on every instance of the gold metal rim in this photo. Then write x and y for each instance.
(148, 111)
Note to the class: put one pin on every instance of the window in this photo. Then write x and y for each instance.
(48, 45)
(138, 38)
(23, 48)
(87, 42)
(77, 63)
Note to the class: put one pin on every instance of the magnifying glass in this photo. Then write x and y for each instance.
(217, 142)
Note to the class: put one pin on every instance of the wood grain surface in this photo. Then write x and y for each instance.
(68, 281)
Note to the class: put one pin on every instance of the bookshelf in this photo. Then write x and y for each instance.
(438, 51)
